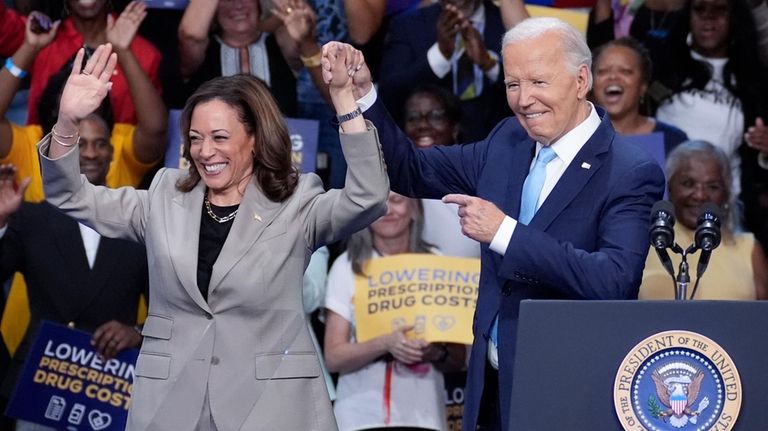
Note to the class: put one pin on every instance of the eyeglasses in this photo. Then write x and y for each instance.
(435, 118)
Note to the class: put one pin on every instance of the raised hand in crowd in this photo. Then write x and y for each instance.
(121, 31)
(34, 41)
(450, 22)
(83, 93)
(475, 47)
(757, 136)
(11, 193)
(113, 337)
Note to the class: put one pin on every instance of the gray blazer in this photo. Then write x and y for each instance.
(249, 346)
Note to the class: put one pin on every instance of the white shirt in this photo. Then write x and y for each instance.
(90, 237)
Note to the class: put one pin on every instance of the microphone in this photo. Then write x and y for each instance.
(707, 236)
(662, 234)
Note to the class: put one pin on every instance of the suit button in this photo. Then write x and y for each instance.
(208, 316)
(214, 360)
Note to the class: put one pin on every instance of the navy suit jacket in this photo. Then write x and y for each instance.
(404, 66)
(588, 240)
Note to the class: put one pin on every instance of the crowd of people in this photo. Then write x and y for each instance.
(461, 128)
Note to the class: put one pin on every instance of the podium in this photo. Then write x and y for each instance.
(569, 356)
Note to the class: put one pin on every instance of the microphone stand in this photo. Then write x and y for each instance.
(683, 278)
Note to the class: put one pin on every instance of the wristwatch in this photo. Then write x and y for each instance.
(346, 117)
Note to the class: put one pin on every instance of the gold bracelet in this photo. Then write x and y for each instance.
(53, 136)
(312, 61)
(55, 133)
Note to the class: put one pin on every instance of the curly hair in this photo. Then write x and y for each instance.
(259, 114)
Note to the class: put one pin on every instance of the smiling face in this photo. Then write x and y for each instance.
(397, 221)
(238, 16)
(697, 181)
(619, 83)
(221, 150)
(546, 95)
(710, 27)
(95, 149)
(427, 123)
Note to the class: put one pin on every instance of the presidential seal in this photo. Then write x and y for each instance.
(677, 381)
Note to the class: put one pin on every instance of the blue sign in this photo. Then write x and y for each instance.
(66, 384)
(303, 132)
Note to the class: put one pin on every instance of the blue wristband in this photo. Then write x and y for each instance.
(15, 70)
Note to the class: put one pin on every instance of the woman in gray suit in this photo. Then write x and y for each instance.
(226, 343)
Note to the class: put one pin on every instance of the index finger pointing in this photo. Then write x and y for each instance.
(456, 198)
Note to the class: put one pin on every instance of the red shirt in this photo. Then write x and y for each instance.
(54, 56)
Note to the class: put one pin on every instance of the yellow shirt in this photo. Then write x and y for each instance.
(124, 170)
(728, 276)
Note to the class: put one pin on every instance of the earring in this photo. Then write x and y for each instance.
(689, 39)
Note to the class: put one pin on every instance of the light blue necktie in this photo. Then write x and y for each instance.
(529, 203)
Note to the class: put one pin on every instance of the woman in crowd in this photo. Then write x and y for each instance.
(622, 73)
(699, 173)
(226, 342)
(87, 23)
(223, 38)
(390, 381)
(432, 116)
(720, 95)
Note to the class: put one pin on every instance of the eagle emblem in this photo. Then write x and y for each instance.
(677, 388)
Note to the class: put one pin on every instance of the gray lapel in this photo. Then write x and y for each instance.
(255, 213)
(183, 237)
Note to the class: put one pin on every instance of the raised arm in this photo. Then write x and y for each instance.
(22, 59)
(300, 22)
(340, 63)
(82, 94)
(512, 12)
(364, 17)
(151, 114)
(193, 34)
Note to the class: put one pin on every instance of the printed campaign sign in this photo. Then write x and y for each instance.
(436, 294)
(303, 133)
(65, 384)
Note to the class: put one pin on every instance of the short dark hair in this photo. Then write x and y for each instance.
(259, 114)
(449, 101)
(642, 53)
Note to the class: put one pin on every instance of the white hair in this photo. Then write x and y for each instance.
(574, 45)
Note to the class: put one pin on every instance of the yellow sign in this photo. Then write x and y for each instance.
(436, 294)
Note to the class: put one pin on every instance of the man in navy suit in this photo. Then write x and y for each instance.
(586, 236)
(454, 44)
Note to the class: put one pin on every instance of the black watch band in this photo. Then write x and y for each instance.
(346, 117)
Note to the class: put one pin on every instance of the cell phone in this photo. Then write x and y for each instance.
(40, 23)
(166, 4)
